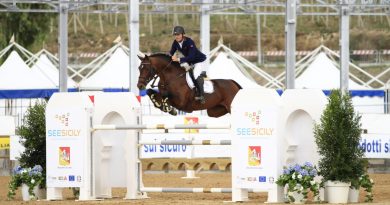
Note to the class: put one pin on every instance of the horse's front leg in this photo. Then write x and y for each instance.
(160, 102)
(167, 107)
(155, 97)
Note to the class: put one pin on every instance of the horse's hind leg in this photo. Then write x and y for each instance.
(217, 111)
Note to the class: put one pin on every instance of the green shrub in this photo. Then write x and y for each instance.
(337, 137)
(33, 135)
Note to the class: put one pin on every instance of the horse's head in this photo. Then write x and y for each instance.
(146, 71)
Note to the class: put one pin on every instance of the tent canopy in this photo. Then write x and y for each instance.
(113, 74)
(16, 75)
(323, 74)
(224, 68)
(47, 68)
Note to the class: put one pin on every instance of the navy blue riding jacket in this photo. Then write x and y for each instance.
(191, 54)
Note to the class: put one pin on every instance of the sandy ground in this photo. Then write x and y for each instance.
(381, 191)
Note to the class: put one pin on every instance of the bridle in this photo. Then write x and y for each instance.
(155, 74)
(151, 70)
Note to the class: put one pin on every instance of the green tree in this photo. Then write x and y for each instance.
(337, 138)
(33, 135)
(28, 28)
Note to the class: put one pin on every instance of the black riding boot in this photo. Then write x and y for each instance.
(192, 76)
(200, 97)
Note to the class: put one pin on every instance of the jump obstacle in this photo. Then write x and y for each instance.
(268, 131)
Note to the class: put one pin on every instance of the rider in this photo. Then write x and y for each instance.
(192, 57)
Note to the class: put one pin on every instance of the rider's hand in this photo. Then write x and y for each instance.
(174, 58)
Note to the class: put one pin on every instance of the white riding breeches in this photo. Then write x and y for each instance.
(199, 67)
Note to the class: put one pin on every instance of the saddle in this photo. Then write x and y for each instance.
(207, 86)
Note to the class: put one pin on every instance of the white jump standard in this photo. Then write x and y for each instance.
(266, 133)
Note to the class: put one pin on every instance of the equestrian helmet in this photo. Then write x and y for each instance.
(178, 30)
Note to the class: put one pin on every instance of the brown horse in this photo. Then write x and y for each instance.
(174, 91)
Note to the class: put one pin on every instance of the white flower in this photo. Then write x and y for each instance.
(23, 171)
(299, 187)
(372, 181)
(299, 176)
(312, 182)
(32, 181)
(293, 175)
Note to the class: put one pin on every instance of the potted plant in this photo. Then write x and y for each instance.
(33, 138)
(29, 179)
(364, 182)
(299, 180)
(367, 183)
(337, 137)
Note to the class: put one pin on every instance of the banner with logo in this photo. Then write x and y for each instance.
(66, 134)
(165, 151)
(4, 142)
(376, 146)
(255, 138)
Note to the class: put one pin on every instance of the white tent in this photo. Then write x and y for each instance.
(224, 68)
(323, 74)
(243, 66)
(114, 73)
(16, 75)
(47, 68)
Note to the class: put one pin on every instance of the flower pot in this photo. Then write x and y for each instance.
(39, 193)
(353, 196)
(337, 192)
(298, 197)
(323, 195)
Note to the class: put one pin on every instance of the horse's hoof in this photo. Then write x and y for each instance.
(150, 92)
(173, 112)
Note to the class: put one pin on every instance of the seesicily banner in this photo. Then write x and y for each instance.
(254, 132)
(66, 134)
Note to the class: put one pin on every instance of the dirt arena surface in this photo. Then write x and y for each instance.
(381, 191)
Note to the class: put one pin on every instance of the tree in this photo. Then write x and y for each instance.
(28, 28)
(337, 139)
(33, 135)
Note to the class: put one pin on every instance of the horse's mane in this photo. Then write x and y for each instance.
(166, 57)
(162, 55)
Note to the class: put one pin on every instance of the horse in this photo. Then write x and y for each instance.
(174, 92)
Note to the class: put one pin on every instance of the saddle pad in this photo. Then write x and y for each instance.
(208, 85)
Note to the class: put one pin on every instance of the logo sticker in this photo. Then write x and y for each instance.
(64, 156)
(63, 119)
(191, 121)
(254, 156)
(262, 178)
(254, 117)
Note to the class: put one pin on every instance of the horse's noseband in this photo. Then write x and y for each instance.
(150, 70)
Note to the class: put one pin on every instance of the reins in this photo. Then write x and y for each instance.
(162, 71)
